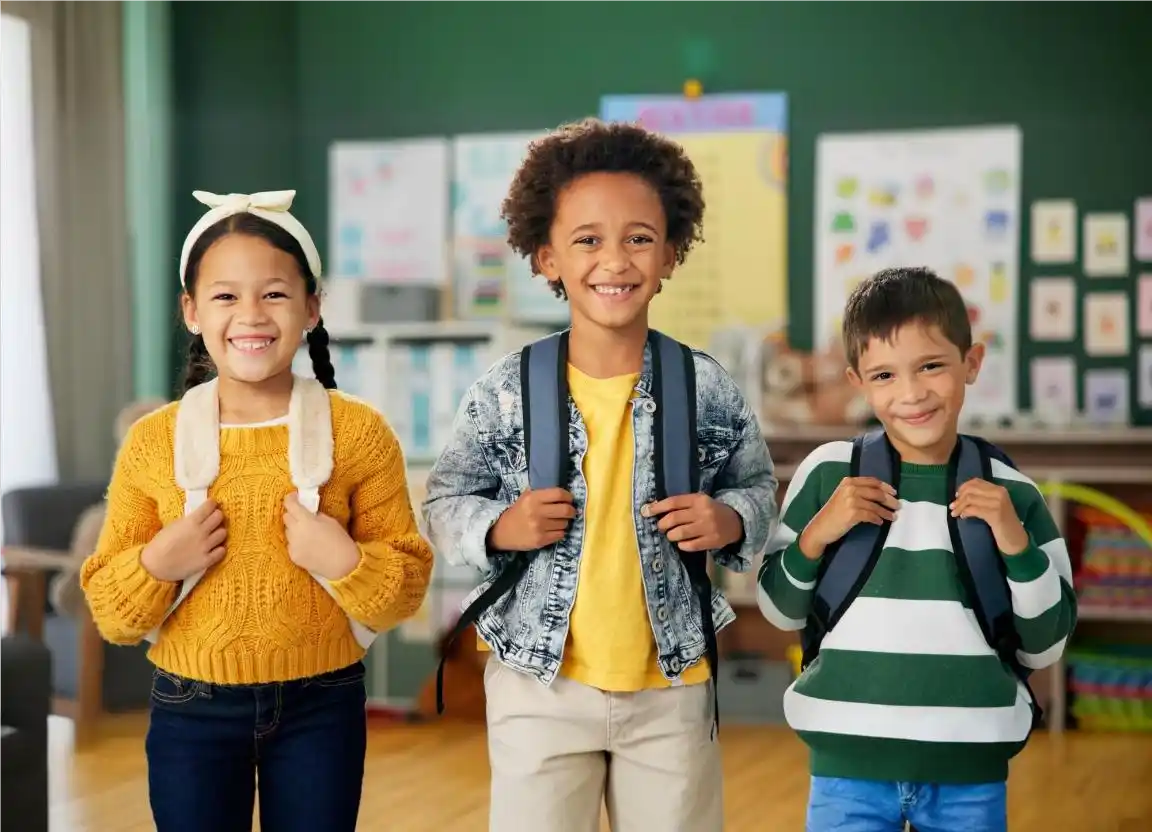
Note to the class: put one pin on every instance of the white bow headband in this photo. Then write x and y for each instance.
(269, 205)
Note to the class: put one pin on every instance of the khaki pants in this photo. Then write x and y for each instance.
(557, 753)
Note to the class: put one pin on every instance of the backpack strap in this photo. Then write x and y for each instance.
(677, 462)
(310, 459)
(544, 401)
(848, 564)
(981, 569)
(196, 464)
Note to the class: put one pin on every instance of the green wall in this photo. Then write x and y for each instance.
(261, 89)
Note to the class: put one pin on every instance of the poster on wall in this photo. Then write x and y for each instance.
(945, 199)
(388, 211)
(491, 281)
(738, 143)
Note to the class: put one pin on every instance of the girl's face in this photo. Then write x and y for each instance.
(609, 247)
(252, 306)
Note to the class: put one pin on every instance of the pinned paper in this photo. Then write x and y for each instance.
(1143, 247)
(1054, 231)
(1106, 397)
(1145, 370)
(1052, 305)
(1144, 305)
(1105, 245)
(1054, 386)
(1106, 324)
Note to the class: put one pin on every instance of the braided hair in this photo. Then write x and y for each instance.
(198, 366)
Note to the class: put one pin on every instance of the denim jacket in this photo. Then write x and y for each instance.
(483, 470)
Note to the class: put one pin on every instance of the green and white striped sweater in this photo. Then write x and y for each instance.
(905, 687)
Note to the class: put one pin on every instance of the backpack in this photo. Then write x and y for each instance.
(310, 458)
(847, 565)
(544, 397)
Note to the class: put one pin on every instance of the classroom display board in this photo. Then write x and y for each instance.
(388, 211)
(1090, 316)
(738, 143)
(945, 199)
(491, 281)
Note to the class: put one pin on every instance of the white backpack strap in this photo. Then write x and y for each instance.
(311, 454)
(196, 465)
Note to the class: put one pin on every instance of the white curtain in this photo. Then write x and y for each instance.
(27, 440)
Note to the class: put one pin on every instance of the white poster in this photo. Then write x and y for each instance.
(492, 281)
(388, 209)
(945, 199)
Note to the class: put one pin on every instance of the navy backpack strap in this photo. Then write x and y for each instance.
(979, 564)
(677, 463)
(846, 566)
(544, 400)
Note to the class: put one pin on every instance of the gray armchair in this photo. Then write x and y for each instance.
(24, 706)
(89, 676)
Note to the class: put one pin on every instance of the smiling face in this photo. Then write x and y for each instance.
(252, 307)
(915, 383)
(608, 246)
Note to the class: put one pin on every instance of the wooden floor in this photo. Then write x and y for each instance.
(434, 778)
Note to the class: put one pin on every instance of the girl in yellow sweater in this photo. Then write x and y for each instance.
(260, 534)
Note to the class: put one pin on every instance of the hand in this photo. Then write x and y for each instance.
(991, 503)
(188, 545)
(855, 500)
(537, 519)
(696, 522)
(318, 543)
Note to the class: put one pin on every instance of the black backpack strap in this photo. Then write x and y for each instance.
(544, 400)
(847, 565)
(677, 465)
(981, 569)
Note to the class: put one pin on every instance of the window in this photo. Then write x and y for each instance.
(27, 443)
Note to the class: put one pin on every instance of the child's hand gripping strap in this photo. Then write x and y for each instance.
(310, 459)
(311, 450)
(197, 463)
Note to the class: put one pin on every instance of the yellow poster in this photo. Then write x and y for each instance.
(738, 276)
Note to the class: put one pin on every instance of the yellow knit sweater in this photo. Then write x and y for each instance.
(255, 616)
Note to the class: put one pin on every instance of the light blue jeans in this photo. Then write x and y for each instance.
(841, 805)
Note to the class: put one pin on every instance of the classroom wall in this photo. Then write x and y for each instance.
(262, 88)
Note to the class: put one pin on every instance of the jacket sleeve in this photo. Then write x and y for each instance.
(126, 602)
(390, 581)
(460, 506)
(1044, 602)
(787, 578)
(747, 484)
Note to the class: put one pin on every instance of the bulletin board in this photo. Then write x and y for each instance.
(739, 274)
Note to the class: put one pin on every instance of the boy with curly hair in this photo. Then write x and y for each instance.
(598, 687)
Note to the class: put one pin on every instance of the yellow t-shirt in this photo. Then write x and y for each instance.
(610, 642)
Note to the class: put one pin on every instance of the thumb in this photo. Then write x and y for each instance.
(204, 509)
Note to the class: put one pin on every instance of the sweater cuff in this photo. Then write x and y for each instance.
(1026, 566)
(802, 568)
(150, 595)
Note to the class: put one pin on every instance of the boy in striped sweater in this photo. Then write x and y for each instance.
(909, 714)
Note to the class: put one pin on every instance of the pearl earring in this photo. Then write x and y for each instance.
(195, 330)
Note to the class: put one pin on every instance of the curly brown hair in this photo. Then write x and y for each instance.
(594, 146)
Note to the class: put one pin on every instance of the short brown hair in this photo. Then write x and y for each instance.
(893, 298)
(594, 146)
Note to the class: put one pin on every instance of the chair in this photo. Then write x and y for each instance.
(89, 676)
(24, 705)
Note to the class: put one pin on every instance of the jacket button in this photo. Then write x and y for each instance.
(662, 614)
(649, 406)
(675, 666)
(701, 454)
(657, 563)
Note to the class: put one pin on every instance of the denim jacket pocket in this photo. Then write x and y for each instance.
(713, 447)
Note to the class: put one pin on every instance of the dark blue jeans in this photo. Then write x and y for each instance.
(305, 740)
